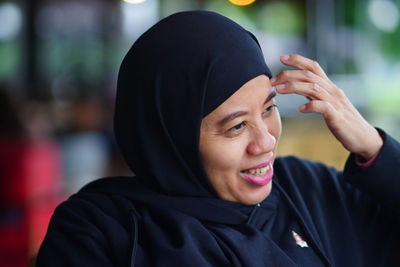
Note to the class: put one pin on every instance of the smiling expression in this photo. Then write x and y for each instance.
(238, 141)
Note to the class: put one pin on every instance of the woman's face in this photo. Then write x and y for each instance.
(238, 141)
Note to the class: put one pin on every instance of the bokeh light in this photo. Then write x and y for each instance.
(384, 15)
(242, 2)
(134, 1)
(10, 20)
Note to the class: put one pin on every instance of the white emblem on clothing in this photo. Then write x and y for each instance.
(299, 240)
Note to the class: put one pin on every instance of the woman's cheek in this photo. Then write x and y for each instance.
(275, 126)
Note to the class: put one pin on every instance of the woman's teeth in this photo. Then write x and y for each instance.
(259, 171)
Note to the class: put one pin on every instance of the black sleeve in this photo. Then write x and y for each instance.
(355, 213)
(381, 180)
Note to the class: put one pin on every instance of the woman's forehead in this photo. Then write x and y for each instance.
(254, 94)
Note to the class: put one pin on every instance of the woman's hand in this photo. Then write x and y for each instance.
(341, 117)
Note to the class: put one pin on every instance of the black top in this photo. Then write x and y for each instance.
(169, 215)
(109, 222)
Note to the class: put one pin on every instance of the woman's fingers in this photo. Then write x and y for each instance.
(317, 106)
(300, 76)
(325, 98)
(310, 90)
(303, 63)
(308, 80)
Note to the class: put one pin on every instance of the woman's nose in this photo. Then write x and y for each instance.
(262, 141)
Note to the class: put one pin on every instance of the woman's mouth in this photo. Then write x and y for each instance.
(258, 171)
(259, 176)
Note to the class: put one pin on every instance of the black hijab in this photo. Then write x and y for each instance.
(175, 74)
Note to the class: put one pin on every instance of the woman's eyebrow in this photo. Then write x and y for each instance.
(234, 115)
(231, 116)
(270, 96)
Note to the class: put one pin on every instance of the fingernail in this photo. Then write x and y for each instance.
(302, 107)
(273, 79)
(281, 87)
(285, 57)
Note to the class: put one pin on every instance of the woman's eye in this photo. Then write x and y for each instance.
(269, 108)
(237, 127)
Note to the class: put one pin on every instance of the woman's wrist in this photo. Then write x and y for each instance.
(372, 148)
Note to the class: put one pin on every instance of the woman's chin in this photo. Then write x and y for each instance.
(256, 194)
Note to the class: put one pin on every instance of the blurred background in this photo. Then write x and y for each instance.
(58, 67)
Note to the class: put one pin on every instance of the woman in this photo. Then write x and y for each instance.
(196, 120)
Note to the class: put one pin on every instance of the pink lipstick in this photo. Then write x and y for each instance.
(259, 175)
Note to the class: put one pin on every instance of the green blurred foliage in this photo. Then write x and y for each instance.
(282, 18)
(9, 59)
(83, 57)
